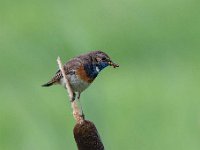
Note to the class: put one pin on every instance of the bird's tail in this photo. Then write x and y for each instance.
(54, 80)
(50, 83)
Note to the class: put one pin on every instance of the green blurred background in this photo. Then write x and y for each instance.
(152, 102)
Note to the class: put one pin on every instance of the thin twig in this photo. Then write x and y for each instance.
(77, 113)
(68, 87)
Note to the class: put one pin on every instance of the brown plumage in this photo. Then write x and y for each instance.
(82, 70)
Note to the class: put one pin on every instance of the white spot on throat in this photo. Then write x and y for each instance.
(97, 69)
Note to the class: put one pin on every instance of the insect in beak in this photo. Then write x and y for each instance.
(113, 64)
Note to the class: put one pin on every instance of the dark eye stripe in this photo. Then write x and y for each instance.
(104, 58)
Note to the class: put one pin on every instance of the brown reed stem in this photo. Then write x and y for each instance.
(76, 111)
(85, 132)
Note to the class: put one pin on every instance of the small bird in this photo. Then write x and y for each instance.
(81, 71)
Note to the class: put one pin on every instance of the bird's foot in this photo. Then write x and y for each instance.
(82, 116)
(73, 98)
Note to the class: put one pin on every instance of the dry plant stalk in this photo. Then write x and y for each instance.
(76, 111)
(85, 132)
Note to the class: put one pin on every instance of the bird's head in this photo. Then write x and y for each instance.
(103, 60)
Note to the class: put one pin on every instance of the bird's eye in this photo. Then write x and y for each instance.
(104, 58)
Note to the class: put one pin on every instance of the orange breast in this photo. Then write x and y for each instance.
(82, 75)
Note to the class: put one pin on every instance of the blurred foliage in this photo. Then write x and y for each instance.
(151, 102)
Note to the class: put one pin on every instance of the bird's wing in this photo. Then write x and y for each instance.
(70, 68)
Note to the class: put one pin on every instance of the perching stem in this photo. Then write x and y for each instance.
(76, 111)
(85, 132)
(68, 87)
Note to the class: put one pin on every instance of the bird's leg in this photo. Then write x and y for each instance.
(78, 99)
(74, 97)
(79, 95)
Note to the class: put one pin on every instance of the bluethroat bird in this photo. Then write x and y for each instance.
(82, 70)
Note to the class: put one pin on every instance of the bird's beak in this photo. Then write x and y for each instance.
(113, 64)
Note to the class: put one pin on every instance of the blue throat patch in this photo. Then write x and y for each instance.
(102, 65)
(91, 69)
